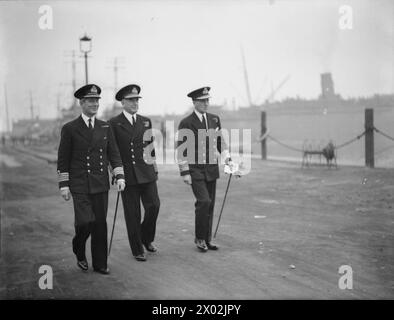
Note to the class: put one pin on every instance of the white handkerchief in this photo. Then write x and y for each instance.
(234, 168)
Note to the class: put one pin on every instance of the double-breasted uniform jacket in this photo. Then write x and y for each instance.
(203, 165)
(84, 155)
(138, 156)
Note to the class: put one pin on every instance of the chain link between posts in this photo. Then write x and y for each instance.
(266, 136)
(350, 141)
(300, 150)
(383, 134)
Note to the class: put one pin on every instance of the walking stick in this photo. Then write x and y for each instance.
(224, 200)
(113, 226)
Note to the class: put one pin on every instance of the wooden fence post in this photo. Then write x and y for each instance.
(263, 132)
(369, 143)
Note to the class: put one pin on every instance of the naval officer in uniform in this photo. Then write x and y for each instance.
(87, 146)
(198, 162)
(129, 128)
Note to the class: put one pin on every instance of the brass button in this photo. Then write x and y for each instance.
(88, 164)
(101, 169)
(101, 163)
(132, 156)
(101, 150)
(88, 157)
(88, 171)
(133, 162)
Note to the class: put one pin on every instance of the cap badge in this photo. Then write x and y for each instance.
(205, 91)
(93, 89)
(134, 90)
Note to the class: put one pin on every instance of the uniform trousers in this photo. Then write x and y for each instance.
(204, 192)
(140, 233)
(86, 206)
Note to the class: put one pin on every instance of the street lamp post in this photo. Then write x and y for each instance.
(85, 45)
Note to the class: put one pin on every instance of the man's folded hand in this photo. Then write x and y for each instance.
(65, 192)
(187, 179)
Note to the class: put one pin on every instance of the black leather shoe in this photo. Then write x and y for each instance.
(140, 257)
(83, 264)
(212, 246)
(102, 270)
(150, 247)
(201, 245)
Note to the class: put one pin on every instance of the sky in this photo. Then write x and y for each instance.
(172, 47)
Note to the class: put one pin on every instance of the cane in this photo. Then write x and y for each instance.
(224, 200)
(113, 226)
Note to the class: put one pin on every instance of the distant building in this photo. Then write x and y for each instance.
(112, 112)
(35, 129)
(71, 113)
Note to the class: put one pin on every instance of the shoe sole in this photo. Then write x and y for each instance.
(147, 249)
(82, 267)
(103, 273)
(139, 259)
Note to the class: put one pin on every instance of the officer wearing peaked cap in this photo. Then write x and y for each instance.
(198, 162)
(138, 156)
(87, 146)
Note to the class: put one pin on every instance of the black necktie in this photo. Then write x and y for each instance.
(90, 124)
(133, 120)
(204, 123)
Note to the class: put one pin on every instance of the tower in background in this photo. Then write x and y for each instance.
(327, 86)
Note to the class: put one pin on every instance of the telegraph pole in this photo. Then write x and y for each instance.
(31, 105)
(246, 78)
(73, 69)
(116, 74)
(115, 66)
(73, 66)
(6, 108)
(58, 105)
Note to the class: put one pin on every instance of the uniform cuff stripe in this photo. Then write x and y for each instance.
(118, 170)
(183, 166)
(63, 176)
(226, 154)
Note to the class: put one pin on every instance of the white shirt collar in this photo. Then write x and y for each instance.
(130, 116)
(86, 120)
(199, 115)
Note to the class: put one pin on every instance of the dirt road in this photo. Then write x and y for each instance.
(284, 234)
